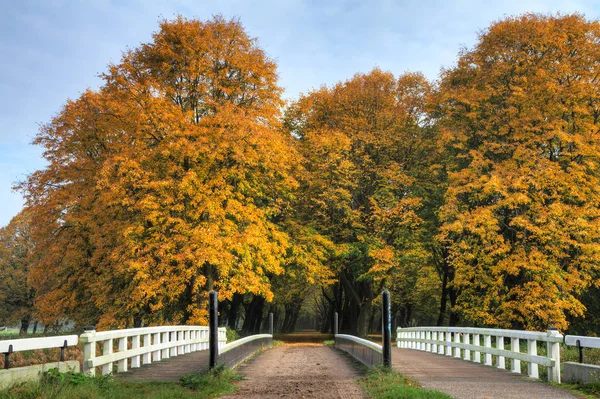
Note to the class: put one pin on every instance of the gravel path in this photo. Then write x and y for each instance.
(467, 380)
(299, 371)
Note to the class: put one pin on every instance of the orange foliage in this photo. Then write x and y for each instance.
(521, 125)
(165, 183)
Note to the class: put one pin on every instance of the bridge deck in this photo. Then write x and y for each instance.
(467, 380)
(168, 369)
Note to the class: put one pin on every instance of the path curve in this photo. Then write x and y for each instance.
(467, 380)
(299, 371)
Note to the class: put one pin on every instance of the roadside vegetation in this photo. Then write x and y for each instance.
(583, 391)
(381, 383)
(55, 385)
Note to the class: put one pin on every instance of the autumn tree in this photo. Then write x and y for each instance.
(16, 257)
(361, 142)
(521, 123)
(169, 181)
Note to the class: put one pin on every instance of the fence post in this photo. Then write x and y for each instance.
(532, 368)
(213, 333)
(387, 333)
(335, 324)
(554, 354)
(271, 324)
(89, 349)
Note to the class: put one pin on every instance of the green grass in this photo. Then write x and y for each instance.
(381, 383)
(71, 385)
(571, 354)
(585, 391)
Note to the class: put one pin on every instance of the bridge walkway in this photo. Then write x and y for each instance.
(467, 380)
(168, 370)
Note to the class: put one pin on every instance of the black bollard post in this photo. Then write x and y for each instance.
(335, 324)
(271, 324)
(213, 329)
(387, 329)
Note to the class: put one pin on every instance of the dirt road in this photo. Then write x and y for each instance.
(299, 371)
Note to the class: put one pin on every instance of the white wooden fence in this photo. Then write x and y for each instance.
(584, 342)
(10, 376)
(450, 341)
(142, 346)
(26, 344)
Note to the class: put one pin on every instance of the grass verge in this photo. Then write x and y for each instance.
(584, 391)
(72, 385)
(381, 383)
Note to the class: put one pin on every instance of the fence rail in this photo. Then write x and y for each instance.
(452, 340)
(582, 342)
(142, 346)
(367, 352)
(10, 346)
(585, 342)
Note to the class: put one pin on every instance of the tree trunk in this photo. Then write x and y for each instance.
(351, 319)
(408, 310)
(364, 317)
(294, 320)
(253, 318)
(327, 324)
(24, 325)
(232, 317)
(276, 318)
(137, 321)
(292, 311)
(444, 297)
(35, 326)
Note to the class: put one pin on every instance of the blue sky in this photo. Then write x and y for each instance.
(52, 50)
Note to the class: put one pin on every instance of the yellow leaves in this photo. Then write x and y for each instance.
(383, 259)
(517, 215)
(177, 174)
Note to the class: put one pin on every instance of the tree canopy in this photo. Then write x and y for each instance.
(474, 199)
(521, 124)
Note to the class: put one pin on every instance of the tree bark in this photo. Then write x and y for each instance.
(232, 317)
(444, 298)
(24, 325)
(292, 311)
(253, 318)
(364, 317)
